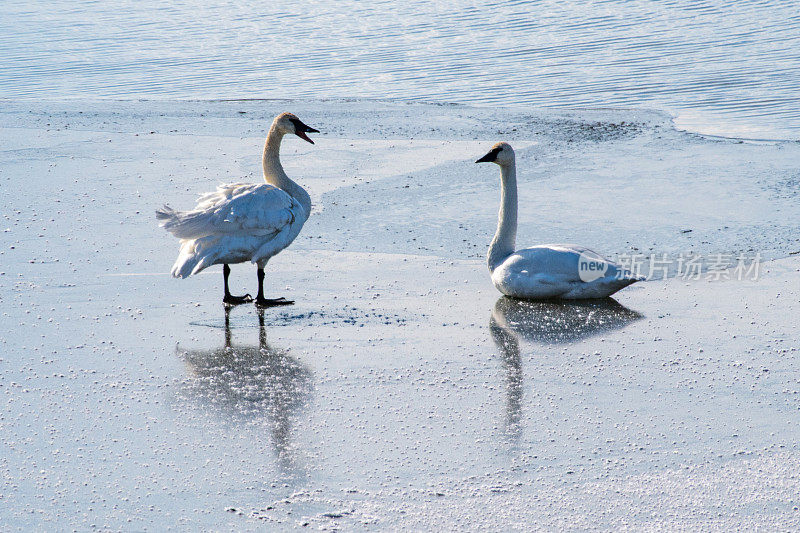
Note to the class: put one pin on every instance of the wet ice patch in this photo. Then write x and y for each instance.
(345, 316)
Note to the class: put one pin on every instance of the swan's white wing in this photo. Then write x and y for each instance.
(234, 209)
(562, 261)
(238, 222)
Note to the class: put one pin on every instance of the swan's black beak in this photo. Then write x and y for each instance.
(301, 129)
(491, 157)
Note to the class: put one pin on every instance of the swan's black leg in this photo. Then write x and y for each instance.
(229, 299)
(265, 302)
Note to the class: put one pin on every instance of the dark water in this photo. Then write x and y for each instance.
(722, 67)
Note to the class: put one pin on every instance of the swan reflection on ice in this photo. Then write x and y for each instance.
(546, 322)
(560, 322)
(249, 384)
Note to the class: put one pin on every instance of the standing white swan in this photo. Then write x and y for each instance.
(244, 221)
(547, 271)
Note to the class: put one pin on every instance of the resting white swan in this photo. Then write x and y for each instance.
(547, 271)
(244, 221)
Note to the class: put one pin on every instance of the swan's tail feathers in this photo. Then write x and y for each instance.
(630, 277)
(624, 282)
(184, 224)
(627, 279)
(621, 280)
(165, 213)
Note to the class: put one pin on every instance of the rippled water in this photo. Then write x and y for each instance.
(725, 67)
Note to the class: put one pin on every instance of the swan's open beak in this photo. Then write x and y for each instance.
(301, 129)
(491, 157)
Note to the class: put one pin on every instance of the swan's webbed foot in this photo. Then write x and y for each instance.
(229, 299)
(269, 302)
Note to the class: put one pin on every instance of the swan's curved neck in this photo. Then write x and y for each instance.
(274, 173)
(506, 236)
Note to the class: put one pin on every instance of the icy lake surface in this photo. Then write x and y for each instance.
(725, 67)
(401, 392)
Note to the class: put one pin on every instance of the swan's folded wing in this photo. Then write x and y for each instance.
(257, 209)
(561, 262)
(243, 209)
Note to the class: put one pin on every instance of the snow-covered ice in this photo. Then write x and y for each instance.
(401, 391)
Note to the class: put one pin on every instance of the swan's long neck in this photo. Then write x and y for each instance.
(506, 236)
(274, 173)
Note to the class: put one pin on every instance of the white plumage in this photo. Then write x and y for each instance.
(236, 223)
(547, 271)
(243, 221)
(553, 271)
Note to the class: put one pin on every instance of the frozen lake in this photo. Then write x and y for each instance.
(400, 392)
